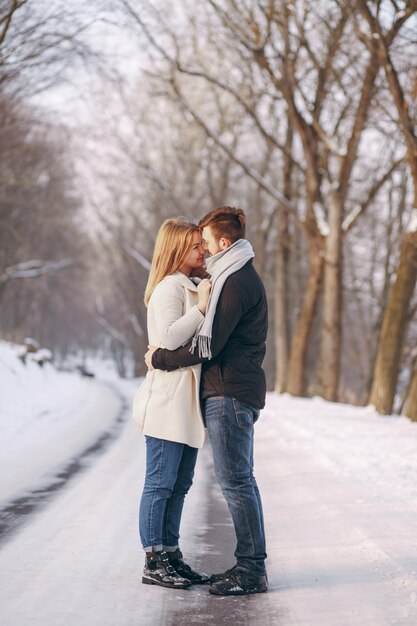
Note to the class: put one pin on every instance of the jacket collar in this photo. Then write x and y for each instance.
(184, 281)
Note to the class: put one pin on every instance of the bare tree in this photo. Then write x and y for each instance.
(41, 43)
(394, 324)
(152, 166)
(324, 95)
(43, 247)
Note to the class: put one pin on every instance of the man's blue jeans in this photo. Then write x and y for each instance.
(169, 475)
(230, 430)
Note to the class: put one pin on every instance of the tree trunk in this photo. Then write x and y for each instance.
(296, 371)
(281, 306)
(2, 289)
(281, 325)
(410, 405)
(331, 334)
(393, 328)
(383, 299)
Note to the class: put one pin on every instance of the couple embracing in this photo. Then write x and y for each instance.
(207, 343)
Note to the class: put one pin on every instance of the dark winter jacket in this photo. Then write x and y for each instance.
(238, 344)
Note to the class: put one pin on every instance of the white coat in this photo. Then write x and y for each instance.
(167, 404)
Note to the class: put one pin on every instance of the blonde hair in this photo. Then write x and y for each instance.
(172, 244)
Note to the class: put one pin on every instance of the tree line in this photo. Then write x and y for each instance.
(302, 113)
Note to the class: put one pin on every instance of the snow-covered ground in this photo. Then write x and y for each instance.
(76, 559)
(46, 419)
(340, 496)
(340, 499)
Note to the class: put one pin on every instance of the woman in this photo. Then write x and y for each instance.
(167, 406)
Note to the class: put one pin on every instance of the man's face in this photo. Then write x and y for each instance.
(211, 244)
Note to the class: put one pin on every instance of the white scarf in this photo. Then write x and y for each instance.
(220, 266)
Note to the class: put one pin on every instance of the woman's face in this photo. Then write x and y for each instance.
(195, 257)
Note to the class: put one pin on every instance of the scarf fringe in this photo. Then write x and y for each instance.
(204, 346)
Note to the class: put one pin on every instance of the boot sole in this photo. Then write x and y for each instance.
(149, 581)
(215, 592)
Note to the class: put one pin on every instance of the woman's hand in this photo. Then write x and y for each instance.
(203, 294)
(148, 357)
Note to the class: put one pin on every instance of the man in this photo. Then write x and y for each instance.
(231, 345)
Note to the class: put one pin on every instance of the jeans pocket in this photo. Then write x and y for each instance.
(245, 415)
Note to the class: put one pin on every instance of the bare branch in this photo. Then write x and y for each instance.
(33, 269)
(250, 171)
(136, 255)
(361, 116)
(360, 209)
(7, 19)
(394, 84)
(249, 110)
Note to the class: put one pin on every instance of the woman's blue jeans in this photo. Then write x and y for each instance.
(169, 475)
(230, 430)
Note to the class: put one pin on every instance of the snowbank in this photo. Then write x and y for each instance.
(352, 441)
(339, 493)
(47, 417)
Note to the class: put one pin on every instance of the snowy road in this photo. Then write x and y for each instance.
(77, 560)
(340, 503)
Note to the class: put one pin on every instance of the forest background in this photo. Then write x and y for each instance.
(117, 114)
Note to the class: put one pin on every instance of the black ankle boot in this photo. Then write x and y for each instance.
(159, 571)
(239, 583)
(184, 570)
(214, 578)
